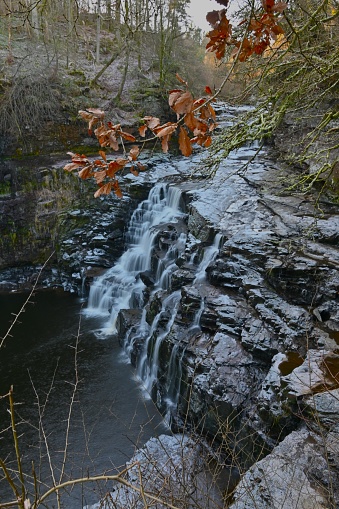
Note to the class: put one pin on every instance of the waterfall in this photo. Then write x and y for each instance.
(149, 362)
(121, 287)
(210, 254)
(174, 372)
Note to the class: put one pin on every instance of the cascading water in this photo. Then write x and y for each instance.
(210, 253)
(149, 362)
(121, 286)
(174, 373)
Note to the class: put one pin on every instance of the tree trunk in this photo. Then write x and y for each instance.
(97, 59)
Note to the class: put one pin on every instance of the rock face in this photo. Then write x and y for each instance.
(170, 469)
(254, 338)
(295, 475)
(238, 341)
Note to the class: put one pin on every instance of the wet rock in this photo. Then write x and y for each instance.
(294, 476)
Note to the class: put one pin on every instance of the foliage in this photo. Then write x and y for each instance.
(195, 117)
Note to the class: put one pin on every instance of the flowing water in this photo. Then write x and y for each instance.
(50, 352)
(110, 415)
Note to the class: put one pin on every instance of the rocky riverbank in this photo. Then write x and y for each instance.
(254, 332)
(260, 371)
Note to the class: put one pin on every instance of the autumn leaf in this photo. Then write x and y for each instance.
(117, 189)
(127, 136)
(113, 168)
(208, 90)
(134, 171)
(134, 153)
(71, 166)
(183, 104)
(184, 142)
(165, 129)
(104, 189)
(113, 142)
(213, 17)
(142, 130)
(173, 95)
(164, 143)
(100, 176)
(141, 167)
(99, 114)
(152, 122)
(122, 161)
(86, 172)
(98, 162)
(103, 155)
(85, 115)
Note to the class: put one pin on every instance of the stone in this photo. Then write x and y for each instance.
(291, 477)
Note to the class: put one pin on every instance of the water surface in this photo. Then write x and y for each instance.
(109, 416)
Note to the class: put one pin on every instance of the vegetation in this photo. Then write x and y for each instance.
(286, 54)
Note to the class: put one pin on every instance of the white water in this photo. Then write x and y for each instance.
(210, 254)
(121, 287)
(149, 362)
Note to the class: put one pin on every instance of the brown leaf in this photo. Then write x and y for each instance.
(166, 129)
(134, 153)
(183, 104)
(103, 189)
(99, 163)
(122, 161)
(85, 115)
(184, 142)
(208, 90)
(212, 112)
(127, 136)
(152, 122)
(174, 95)
(134, 171)
(100, 176)
(103, 155)
(97, 113)
(191, 121)
(164, 143)
(86, 172)
(113, 168)
(113, 142)
(141, 167)
(117, 189)
(71, 166)
(142, 130)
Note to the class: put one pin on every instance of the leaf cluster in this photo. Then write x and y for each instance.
(196, 120)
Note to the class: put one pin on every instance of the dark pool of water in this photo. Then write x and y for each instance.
(109, 415)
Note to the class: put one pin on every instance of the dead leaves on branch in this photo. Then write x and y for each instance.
(196, 119)
(262, 28)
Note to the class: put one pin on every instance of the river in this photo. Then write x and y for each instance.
(110, 417)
